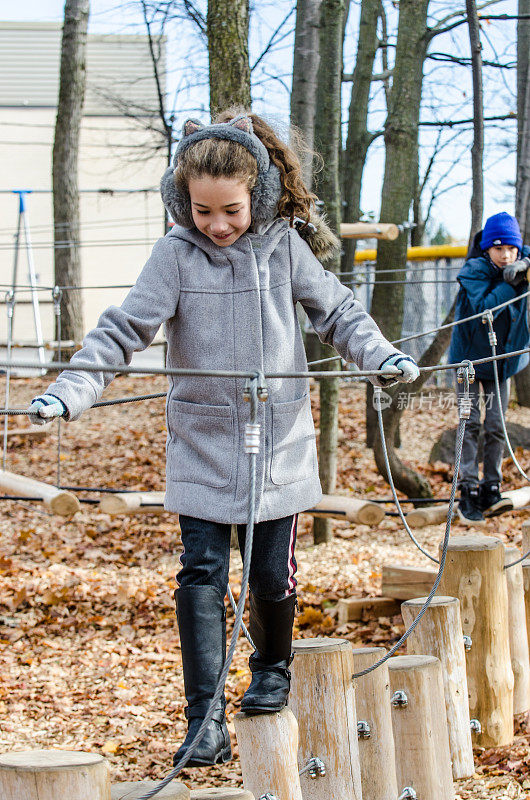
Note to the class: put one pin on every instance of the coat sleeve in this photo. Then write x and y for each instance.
(482, 293)
(121, 331)
(337, 317)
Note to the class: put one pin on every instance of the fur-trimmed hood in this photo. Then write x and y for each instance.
(319, 236)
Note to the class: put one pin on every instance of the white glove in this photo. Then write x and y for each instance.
(44, 408)
(404, 367)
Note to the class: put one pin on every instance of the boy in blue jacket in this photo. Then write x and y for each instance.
(495, 271)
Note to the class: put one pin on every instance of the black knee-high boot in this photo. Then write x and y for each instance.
(271, 627)
(201, 618)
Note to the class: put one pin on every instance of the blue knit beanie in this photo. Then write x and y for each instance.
(501, 229)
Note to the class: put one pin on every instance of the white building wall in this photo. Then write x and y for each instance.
(117, 228)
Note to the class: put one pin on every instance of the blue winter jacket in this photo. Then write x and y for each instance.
(482, 287)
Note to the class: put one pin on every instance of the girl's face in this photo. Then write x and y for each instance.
(503, 254)
(220, 208)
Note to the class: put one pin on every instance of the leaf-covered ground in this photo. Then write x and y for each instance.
(89, 650)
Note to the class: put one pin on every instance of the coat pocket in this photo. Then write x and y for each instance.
(201, 443)
(293, 442)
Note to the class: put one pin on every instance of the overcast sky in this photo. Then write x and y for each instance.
(447, 91)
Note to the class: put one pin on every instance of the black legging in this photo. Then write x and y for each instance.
(206, 556)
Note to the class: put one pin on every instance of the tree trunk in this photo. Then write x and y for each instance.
(327, 142)
(359, 138)
(522, 183)
(227, 30)
(305, 69)
(405, 479)
(477, 151)
(401, 141)
(64, 171)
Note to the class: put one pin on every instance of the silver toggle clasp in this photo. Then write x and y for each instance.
(487, 319)
(261, 388)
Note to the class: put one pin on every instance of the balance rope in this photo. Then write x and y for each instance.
(252, 444)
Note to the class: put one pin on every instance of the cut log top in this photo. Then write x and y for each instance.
(320, 644)
(410, 662)
(369, 651)
(473, 541)
(437, 600)
(132, 790)
(41, 760)
(221, 794)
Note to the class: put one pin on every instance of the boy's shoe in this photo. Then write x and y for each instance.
(468, 510)
(492, 503)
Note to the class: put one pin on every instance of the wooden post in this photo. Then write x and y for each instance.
(474, 573)
(423, 760)
(227, 793)
(439, 634)
(132, 503)
(54, 774)
(517, 632)
(526, 583)
(323, 701)
(132, 790)
(268, 748)
(57, 500)
(525, 543)
(372, 696)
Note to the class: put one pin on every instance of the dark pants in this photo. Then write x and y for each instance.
(493, 433)
(206, 555)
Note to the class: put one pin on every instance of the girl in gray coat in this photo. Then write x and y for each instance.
(225, 282)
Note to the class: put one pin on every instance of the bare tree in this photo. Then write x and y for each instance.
(305, 69)
(477, 151)
(327, 142)
(65, 166)
(359, 137)
(227, 28)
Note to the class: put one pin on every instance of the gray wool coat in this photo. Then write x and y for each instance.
(230, 308)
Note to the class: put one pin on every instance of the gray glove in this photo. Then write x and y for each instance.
(515, 273)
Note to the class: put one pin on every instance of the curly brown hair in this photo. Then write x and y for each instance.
(296, 200)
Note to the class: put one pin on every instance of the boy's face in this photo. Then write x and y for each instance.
(220, 208)
(503, 254)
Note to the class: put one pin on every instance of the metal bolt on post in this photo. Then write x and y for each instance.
(400, 699)
(475, 726)
(315, 766)
(468, 643)
(408, 793)
(364, 730)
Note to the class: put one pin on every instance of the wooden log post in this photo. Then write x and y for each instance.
(351, 509)
(54, 774)
(58, 501)
(423, 759)
(428, 515)
(439, 634)
(369, 230)
(227, 793)
(474, 574)
(520, 497)
(323, 701)
(132, 790)
(376, 745)
(517, 632)
(268, 749)
(525, 542)
(526, 583)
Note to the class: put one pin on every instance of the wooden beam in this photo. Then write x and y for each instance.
(58, 501)
(428, 515)
(132, 503)
(35, 432)
(405, 583)
(131, 790)
(351, 609)
(369, 230)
